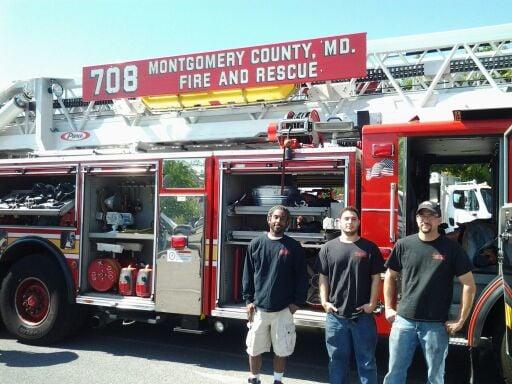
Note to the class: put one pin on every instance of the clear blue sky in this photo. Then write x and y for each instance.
(56, 38)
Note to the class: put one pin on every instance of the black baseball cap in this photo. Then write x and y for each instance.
(430, 206)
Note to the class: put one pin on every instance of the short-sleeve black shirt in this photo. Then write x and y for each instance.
(428, 269)
(275, 273)
(349, 267)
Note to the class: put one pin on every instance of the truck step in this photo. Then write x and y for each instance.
(188, 330)
(462, 341)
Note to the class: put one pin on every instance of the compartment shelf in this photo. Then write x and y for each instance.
(304, 245)
(263, 210)
(299, 236)
(121, 235)
(39, 211)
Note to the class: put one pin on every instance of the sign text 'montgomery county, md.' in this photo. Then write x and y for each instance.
(329, 58)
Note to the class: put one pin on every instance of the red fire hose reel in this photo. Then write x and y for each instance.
(103, 274)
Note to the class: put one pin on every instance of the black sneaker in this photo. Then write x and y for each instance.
(278, 382)
(253, 380)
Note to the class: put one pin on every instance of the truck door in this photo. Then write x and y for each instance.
(505, 251)
(118, 207)
(181, 236)
(465, 204)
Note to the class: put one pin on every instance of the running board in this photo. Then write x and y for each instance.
(302, 317)
(116, 301)
(462, 341)
(190, 331)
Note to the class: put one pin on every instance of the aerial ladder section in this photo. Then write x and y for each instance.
(422, 77)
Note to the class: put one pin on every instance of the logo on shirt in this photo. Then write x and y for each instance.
(284, 252)
(360, 253)
(438, 256)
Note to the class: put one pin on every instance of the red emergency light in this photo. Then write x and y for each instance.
(179, 242)
(383, 150)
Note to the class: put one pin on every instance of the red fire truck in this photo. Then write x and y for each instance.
(118, 205)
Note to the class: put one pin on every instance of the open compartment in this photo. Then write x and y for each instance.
(38, 198)
(314, 193)
(118, 232)
(462, 174)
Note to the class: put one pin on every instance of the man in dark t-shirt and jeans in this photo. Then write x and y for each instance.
(350, 269)
(428, 263)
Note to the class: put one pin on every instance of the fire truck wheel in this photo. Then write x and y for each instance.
(504, 361)
(33, 303)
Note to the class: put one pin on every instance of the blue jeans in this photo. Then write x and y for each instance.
(405, 336)
(341, 335)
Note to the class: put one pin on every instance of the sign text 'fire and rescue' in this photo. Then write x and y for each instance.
(331, 58)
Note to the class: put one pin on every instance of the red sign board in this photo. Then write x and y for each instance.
(328, 58)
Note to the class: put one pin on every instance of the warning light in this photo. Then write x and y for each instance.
(383, 150)
(178, 242)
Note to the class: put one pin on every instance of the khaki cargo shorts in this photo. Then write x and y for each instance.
(271, 328)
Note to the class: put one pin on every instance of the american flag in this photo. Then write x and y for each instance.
(382, 168)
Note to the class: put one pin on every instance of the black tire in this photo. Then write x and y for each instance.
(503, 361)
(33, 301)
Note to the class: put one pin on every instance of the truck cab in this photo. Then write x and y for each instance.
(460, 201)
(472, 138)
(467, 202)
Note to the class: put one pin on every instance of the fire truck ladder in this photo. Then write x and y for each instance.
(427, 76)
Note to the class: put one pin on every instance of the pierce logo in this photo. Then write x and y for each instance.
(75, 136)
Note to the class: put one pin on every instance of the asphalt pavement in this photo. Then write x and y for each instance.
(154, 354)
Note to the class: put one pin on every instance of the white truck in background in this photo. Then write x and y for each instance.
(460, 201)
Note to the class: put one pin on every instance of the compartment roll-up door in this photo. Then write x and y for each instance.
(120, 168)
(39, 170)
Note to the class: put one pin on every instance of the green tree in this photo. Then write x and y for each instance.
(467, 172)
(182, 212)
(183, 173)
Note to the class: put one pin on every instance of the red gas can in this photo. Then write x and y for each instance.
(127, 279)
(143, 288)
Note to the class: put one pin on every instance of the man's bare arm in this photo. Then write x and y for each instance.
(390, 294)
(467, 297)
(324, 294)
(374, 295)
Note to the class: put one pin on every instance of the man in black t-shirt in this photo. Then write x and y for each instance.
(274, 286)
(428, 263)
(350, 269)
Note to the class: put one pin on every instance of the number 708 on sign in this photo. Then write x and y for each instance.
(113, 80)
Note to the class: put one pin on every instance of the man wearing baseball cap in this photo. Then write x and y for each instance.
(427, 262)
